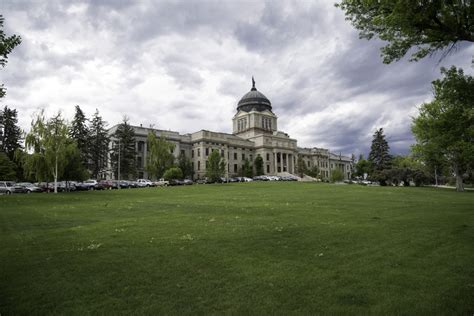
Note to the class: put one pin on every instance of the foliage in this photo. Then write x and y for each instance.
(7, 44)
(186, 166)
(362, 167)
(160, 157)
(445, 126)
(258, 165)
(173, 173)
(7, 167)
(313, 172)
(301, 168)
(215, 167)
(379, 156)
(74, 169)
(11, 137)
(50, 142)
(427, 26)
(336, 175)
(247, 169)
(80, 133)
(98, 146)
(124, 148)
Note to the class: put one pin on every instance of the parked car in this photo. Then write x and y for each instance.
(245, 179)
(162, 183)
(9, 187)
(90, 184)
(187, 182)
(31, 187)
(176, 182)
(201, 181)
(144, 183)
(105, 184)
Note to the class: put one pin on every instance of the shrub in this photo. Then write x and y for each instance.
(173, 173)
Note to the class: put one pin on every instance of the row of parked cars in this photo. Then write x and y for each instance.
(9, 187)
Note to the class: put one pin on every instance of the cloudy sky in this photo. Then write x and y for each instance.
(183, 66)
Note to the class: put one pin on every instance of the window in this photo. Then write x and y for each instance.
(243, 156)
(268, 168)
(235, 156)
(251, 157)
(140, 146)
(268, 157)
(199, 153)
(207, 151)
(309, 164)
(222, 153)
(235, 167)
(182, 152)
(192, 153)
(139, 162)
(199, 165)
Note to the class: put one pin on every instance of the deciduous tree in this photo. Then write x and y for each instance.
(426, 26)
(258, 165)
(446, 125)
(215, 166)
(7, 44)
(160, 157)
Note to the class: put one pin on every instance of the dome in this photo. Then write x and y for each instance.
(254, 100)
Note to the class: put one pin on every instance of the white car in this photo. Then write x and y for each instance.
(245, 179)
(162, 183)
(144, 183)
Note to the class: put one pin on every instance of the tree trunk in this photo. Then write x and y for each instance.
(56, 176)
(459, 184)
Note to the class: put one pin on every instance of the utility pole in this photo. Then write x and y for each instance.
(119, 164)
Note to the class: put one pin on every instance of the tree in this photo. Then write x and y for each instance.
(124, 148)
(160, 157)
(50, 141)
(379, 156)
(7, 44)
(98, 143)
(258, 165)
(247, 169)
(336, 175)
(313, 172)
(80, 133)
(74, 169)
(7, 167)
(446, 125)
(184, 163)
(173, 173)
(362, 167)
(215, 166)
(301, 168)
(427, 26)
(11, 132)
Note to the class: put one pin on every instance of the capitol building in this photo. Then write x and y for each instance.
(255, 132)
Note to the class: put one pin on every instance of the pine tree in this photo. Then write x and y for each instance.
(98, 143)
(11, 132)
(124, 143)
(7, 167)
(80, 133)
(379, 152)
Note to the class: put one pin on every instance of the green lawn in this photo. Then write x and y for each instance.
(249, 248)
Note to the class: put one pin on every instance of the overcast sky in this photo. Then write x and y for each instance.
(184, 65)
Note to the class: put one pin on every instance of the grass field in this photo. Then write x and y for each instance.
(248, 248)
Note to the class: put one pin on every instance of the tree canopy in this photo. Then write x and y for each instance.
(7, 44)
(427, 26)
(123, 151)
(446, 125)
(159, 157)
(98, 143)
(215, 166)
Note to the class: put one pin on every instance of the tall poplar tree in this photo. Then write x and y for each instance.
(98, 143)
(215, 166)
(160, 157)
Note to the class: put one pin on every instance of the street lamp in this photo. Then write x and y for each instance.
(1, 130)
(119, 164)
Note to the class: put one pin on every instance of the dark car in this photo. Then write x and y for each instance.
(31, 187)
(176, 182)
(105, 184)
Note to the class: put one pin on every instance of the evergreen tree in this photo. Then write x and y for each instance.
(80, 133)
(379, 155)
(185, 165)
(215, 166)
(301, 168)
(160, 157)
(11, 132)
(98, 143)
(259, 165)
(124, 147)
(7, 168)
(247, 169)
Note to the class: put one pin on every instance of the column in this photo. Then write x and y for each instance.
(275, 168)
(286, 163)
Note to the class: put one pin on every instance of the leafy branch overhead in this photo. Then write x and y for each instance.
(428, 26)
(7, 44)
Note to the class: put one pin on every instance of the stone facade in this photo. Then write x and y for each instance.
(254, 133)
